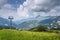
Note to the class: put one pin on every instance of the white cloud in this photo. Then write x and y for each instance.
(6, 10)
(22, 12)
(33, 8)
(6, 13)
(2, 2)
(7, 6)
(39, 7)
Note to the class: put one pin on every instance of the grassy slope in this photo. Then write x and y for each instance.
(26, 35)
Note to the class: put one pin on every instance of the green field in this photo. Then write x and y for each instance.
(27, 35)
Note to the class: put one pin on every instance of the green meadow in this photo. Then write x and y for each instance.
(27, 35)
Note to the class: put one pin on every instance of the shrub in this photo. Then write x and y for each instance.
(40, 28)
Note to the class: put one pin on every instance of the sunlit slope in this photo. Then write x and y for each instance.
(26, 35)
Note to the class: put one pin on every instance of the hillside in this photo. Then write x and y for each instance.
(27, 35)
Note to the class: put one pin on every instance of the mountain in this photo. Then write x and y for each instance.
(5, 22)
(30, 23)
(50, 20)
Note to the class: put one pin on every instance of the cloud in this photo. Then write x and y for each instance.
(40, 7)
(6, 13)
(7, 10)
(22, 12)
(32, 8)
(2, 2)
(7, 6)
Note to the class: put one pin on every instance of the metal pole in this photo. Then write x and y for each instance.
(10, 24)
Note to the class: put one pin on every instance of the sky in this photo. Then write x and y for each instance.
(22, 9)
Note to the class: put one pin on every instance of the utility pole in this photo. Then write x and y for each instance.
(10, 21)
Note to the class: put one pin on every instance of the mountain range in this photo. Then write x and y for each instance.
(30, 22)
(5, 22)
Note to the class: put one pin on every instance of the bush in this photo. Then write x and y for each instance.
(40, 28)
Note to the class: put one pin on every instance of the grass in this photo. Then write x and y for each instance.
(27, 35)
